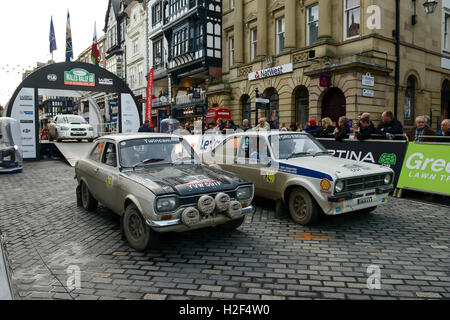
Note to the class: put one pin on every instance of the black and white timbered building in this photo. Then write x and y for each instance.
(192, 29)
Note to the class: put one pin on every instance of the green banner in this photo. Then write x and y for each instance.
(426, 167)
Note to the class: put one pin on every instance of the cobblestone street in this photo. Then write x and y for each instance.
(267, 258)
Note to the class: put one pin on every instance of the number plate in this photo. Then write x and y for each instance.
(365, 200)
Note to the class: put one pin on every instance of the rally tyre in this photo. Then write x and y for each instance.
(233, 225)
(302, 207)
(88, 202)
(139, 236)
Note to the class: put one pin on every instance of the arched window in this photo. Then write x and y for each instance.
(301, 102)
(334, 104)
(272, 114)
(410, 101)
(246, 104)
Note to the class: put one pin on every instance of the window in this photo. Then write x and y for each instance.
(408, 108)
(253, 43)
(280, 34)
(313, 25)
(96, 154)
(140, 74)
(156, 13)
(180, 42)
(157, 53)
(135, 46)
(110, 157)
(446, 41)
(231, 52)
(351, 18)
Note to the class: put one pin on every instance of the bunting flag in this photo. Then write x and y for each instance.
(69, 49)
(95, 53)
(52, 37)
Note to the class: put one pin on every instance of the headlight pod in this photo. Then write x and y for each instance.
(388, 178)
(64, 128)
(339, 186)
(244, 193)
(206, 205)
(166, 204)
(222, 201)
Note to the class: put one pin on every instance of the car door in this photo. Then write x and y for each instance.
(92, 168)
(108, 178)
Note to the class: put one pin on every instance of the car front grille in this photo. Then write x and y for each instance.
(364, 183)
(78, 130)
(193, 200)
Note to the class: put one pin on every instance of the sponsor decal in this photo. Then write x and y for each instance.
(26, 121)
(109, 181)
(105, 81)
(28, 113)
(79, 77)
(26, 98)
(52, 77)
(269, 178)
(325, 184)
(26, 130)
(355, 167)
(197, 179)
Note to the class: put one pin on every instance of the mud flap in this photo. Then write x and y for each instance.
(78, 192)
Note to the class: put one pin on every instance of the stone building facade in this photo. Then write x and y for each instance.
(309, 59)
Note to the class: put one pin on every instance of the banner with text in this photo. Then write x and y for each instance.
(426, 168)
(386, 153)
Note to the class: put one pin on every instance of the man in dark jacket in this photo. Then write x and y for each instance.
(313, 128)
(389, 126)
(146, 127)
(421, 129)
(343, 130)
(366, 129)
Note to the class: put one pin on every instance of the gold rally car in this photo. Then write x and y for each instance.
(157, 183)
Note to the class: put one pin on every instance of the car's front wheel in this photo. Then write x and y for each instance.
(138, 234)
(302, 207)
(88, 202)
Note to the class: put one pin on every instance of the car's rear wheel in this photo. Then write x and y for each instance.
(302, 207)
(233, 225)
(88, 202)
(139, 236)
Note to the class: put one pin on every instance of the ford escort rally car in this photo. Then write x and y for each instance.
(295, 170)
(157, 183)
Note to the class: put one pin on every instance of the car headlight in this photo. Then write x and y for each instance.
(244, 193)
(64, 128)
(387, 178)
(91, 129)
(166, 204)
(339, 186)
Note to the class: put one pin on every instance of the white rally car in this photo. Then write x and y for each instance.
(295, 170)
(70, 127)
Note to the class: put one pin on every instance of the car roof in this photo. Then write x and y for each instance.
(129, 136)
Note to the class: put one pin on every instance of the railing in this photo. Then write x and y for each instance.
(158, 102)
(189, 99)
(445, 140)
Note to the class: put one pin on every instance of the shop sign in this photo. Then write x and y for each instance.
(368, 93)
(270, 72)
(79, 77)
(368, 80)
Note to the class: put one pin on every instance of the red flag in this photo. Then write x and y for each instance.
(149, 102)
(95, 53)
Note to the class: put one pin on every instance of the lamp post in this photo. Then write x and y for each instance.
(430, 7)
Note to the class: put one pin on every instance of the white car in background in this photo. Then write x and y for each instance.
(295, 170)
(72, 127)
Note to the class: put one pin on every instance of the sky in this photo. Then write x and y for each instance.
(25, 29)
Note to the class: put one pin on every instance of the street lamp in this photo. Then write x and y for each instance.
(430, 6)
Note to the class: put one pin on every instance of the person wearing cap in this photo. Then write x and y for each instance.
(146, 127)
(313, 128)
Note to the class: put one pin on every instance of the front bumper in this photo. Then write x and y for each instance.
(75, 135)
(355, 201)
(176, 225)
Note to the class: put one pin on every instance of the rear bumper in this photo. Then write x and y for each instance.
(176, 225)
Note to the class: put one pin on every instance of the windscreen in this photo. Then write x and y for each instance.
(287, 146)
(148, 151)
(71, 120)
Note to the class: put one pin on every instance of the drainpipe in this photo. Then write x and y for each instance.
(397, 55)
